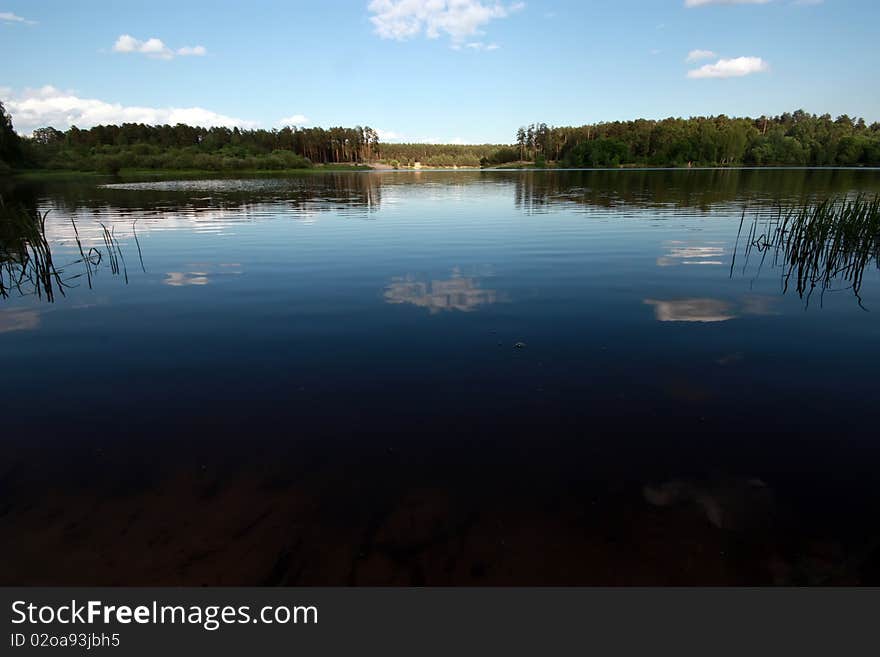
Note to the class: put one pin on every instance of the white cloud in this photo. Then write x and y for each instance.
(155, 48)
(126, 43)
(193, 51)
(151, 47)
(730, 68)
(697, 55)
(49, 106)
(9, 17)
(704, 3)
(404, 19)
(296, 119)
(479, 45)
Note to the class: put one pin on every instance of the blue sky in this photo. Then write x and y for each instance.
(434, 70)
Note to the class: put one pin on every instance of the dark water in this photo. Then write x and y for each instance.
(440, 378)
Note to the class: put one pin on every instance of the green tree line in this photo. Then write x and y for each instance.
(438, 155)
(109, 148)
(794, 139)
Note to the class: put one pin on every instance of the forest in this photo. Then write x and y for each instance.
(439, 155)
(791, 139)
(111, 148)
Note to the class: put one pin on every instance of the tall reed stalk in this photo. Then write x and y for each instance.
(826, 245)
(27, 266)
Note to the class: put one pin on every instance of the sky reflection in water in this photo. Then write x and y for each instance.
(603, 252)
(593, 270)
(344, 323)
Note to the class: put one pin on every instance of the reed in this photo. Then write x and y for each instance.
(26, 262)
(27, 265)
(826, 245)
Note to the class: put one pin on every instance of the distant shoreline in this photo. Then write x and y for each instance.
(795, 139)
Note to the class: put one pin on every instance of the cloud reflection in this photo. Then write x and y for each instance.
(691, 310)
(181, 278)
(455, 293)
(200, 274)
(712, 310)
(754, 304)
(681, 253)
(18, 320)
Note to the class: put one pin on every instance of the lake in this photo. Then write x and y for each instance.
(437, 377)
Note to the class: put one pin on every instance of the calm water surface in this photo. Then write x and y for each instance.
(438, 377)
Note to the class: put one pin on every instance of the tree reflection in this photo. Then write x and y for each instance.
(703, 189)
(243, 197)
